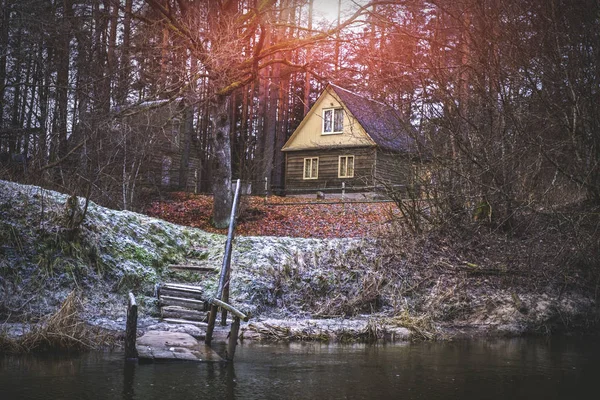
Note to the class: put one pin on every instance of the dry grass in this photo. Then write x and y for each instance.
(274, 333)
(422, 326)
(62, 331)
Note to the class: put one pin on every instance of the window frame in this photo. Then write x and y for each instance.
(333, 131)
(175, 133)
(311, 160)
(347, 157)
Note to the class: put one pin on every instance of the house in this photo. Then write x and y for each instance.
(348, 138)
(161, 134)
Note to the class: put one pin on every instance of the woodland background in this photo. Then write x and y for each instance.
(506, 93)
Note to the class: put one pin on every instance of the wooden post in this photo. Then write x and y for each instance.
(233, 336)
(225, 298)
(223, 278)
(131, 330)
(266, 189)
(343, 195)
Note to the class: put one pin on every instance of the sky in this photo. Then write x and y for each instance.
(329, 8)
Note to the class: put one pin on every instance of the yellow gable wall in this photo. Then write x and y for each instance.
(309, 135)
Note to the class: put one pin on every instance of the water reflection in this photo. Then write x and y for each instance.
(129, 380)
(497, 369)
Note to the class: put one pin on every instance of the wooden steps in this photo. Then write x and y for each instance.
(183, 313)
(184, 303)
(193, 268)
(185, 321)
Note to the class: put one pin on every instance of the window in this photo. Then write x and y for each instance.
(346, 167)
(333, 120)
(166, 171)
(175, 133)
(311, 168)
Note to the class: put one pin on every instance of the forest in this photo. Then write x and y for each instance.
(505, 93)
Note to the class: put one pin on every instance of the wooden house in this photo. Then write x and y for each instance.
(160, 136)
(346, 137)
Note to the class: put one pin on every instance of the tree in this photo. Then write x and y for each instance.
(233, 63)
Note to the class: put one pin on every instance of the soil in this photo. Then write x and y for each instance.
(379, 281)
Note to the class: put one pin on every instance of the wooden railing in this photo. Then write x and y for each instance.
(222, 297)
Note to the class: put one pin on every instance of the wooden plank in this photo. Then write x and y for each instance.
(185, 321)
(181, 293)
(194, 268)
(231, 309)
(183, 313)
(163, 346)
(364, 166)
(183, 302)
(172, 285)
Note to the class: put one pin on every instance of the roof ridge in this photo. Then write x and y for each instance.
(361, 96)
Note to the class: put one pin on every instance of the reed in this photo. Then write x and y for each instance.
(62, 331)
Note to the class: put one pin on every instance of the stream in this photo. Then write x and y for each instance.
(523, 368)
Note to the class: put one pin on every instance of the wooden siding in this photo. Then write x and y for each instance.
(165, 132)
(393, 168)
(364, 165)
(309, 134)
(402, 171)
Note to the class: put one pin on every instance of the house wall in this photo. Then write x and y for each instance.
(393, 168)
(164, 139)
(364, 166)
(401, 170)
(309, 133)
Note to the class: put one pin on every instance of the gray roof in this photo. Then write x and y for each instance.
(382, 123)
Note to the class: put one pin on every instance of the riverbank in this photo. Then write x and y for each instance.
(437, 285)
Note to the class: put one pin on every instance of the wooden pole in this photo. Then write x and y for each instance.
(225, 298)
(131, 330)
(231, 309)
(223, 278)
(233, 336)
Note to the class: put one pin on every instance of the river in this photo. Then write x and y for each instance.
(550, 368)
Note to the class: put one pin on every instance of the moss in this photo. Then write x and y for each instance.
(136, 279)
(137, 253)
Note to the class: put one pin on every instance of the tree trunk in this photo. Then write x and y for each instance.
(308, 59)
(5, 14)
(185, 131)
(125, 67)
(59, 134)
(221, 161)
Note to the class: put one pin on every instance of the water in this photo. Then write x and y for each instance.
(490, 369)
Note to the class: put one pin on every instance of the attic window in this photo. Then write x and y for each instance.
(333, 120)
